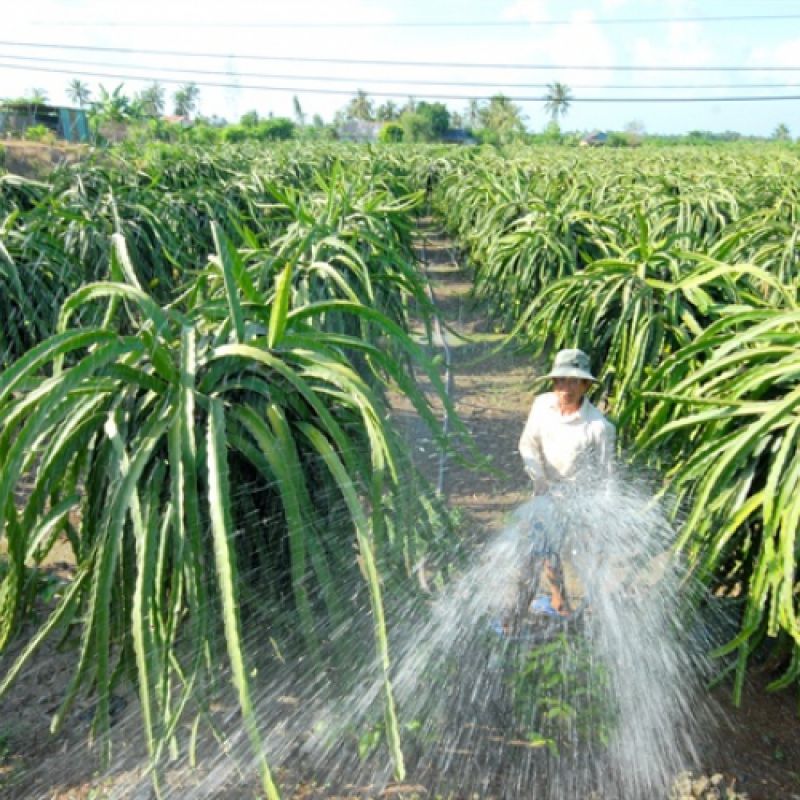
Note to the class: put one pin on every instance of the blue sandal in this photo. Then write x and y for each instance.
(542, 605)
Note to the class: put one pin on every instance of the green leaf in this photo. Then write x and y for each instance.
(280, 307)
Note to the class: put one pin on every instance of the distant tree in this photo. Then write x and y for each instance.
(360, 107)
(635, 132)
(472, 116)
(437, 117)
(618, 139)
(275, 128)
(456, 120)
(203, 133)
(215, 121)
(387, 112)
(236, 133)
(319, 130)
(559, 98)
(781, 133)
(707, 137)
(37, 97)
(79, 92)
(185, 99)
(502, 119)
(270, 129)
(552, 133)
(113, 106)
(416, 127)
(249, 119)
(299, 116)
(391, 132)
(151, 100)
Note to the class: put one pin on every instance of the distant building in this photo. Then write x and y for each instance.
(70, 124)
(359, 130)
(178, 119)
(594, 139)
(459, 136)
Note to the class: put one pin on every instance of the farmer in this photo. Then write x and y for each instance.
(567, 443)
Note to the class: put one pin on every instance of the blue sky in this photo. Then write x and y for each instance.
(560, 34)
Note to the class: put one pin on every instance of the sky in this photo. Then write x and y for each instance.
(262, 54)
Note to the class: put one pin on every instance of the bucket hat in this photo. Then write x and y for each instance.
(572, 364)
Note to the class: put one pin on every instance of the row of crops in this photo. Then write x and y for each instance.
(197, 351)
(679, 273)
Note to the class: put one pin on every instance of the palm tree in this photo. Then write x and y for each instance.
(472, 117)
(79, 92)
(299, 115)
(472, 114)
(503, 118)
(113, 106)
(151, 100)
(559, 98)
(37, 97)
(186, 99)
(387, 112)
(782, 133)
(360, 107)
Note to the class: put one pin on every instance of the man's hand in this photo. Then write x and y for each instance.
(540, 484)
(540, 487)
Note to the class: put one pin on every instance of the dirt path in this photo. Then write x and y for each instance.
(757, 746)
(491, 392)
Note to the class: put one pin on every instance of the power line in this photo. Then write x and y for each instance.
(360, 79)
(437, 96)
(419, 24)
(388, 62)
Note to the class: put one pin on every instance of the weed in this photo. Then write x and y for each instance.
(562, 695)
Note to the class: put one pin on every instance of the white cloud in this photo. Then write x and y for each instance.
(528, 10)
(158, 12)
(186, 25)
(582, 41)
(783, 54)
(607, 6)
(681, 44)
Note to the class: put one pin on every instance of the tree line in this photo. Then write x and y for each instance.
(497, 121)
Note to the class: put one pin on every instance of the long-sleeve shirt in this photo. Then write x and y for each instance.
(557, 447)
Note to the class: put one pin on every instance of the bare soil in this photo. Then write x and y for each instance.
(756, 747)
(36, 160)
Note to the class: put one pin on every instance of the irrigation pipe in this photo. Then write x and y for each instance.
(441, 334)
(507, 338)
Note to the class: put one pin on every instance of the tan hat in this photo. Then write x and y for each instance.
(572, 364)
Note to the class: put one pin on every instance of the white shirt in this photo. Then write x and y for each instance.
(557, 447)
